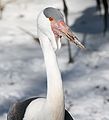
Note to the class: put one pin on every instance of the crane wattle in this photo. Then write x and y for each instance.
(59, 29)
(55, 28)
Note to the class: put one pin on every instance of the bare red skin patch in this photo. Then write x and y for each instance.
(61, 23)
(51, 19)
(55, 29)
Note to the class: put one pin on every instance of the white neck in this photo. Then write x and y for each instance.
(55, 97)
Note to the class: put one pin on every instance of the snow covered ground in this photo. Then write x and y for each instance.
(22, 69)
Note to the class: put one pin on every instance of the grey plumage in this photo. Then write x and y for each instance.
(17, 111)
(52, 12)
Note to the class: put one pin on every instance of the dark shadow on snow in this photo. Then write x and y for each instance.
(89, 23)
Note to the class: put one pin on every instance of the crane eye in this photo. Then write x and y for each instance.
(51, 19)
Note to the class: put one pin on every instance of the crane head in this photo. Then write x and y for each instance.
(51, 23)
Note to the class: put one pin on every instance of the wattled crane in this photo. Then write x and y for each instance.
(51, 27)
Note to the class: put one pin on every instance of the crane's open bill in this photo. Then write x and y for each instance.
(73, 39)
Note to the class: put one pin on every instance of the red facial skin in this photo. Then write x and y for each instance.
(55, 28)
(59, 29)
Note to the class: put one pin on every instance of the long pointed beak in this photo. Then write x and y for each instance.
(67, 32)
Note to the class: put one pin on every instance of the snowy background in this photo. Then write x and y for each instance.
(22, 69)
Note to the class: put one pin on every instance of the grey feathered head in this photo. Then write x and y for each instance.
(54, 27)
(52, 12)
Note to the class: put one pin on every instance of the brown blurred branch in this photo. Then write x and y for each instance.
(66, 18)
(3, 5)
(105, 16)
(105, 4)
(98, 5)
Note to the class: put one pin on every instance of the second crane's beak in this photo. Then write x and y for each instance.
(67, 32)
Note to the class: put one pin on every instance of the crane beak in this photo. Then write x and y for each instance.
(67, 32)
